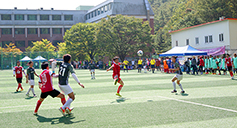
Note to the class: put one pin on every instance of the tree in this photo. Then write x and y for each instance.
(81, 40)
(123, 35)
(42, 46)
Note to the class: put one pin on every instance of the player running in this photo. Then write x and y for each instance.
(228, 63)
(178, 76)
(46, 86)
(17, 72)
(235, 63)
(30, 72)
(64, 70)
(116, 74)
(92, 69)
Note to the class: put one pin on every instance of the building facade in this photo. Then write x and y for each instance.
(22, 27)
(208, 35)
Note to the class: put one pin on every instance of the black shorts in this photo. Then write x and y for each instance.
(229, 68)
(152, 66)
(19, 80)
(53, 94)
(139, 66)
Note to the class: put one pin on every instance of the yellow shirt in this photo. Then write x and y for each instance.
(139, 62)
(153, 62)
(125, 62)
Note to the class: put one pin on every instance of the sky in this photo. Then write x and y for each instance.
(47, 4)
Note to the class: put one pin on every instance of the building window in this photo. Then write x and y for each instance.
(177, 43)
(210, 39)
(106, 8)
(91, 14)
(187, 41)
(6, 31)
(19, 31)
(197, 40)
(109, 6)
(55, 42)
(31, 17)
(68, 17)
(221, 37)
(30, 43)
(98, 11)
(65, 29)
(20, 44)
(95, 13)
(32, 31)
(6, 17)
(4, 43)
(44, 31)
(44, 17)
(57, 31)
(102, 10)
(19, 17)
(206, 39)
(56, 17)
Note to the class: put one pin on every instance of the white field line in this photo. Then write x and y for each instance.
(162, 97)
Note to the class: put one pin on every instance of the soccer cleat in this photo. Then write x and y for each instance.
(22, 90)
(16, 90)
(174, 91)
(118, 95)
(232, 78)
(35, 113)
(182, 92)
(28, 94)
(116, 81)
(35, 95)
(69, 111)
(62, 111)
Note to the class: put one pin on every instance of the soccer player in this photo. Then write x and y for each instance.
(206, 60)
(116, 74)
(153, 62)
(139, 63)
(218, 64)
(235, 63)
(166, 67)
(46, 86)
(210, 64)
(178, 76)
(64, 70)
(17, 72)
(126, 65)
(201, 64)
(228, 63)
(30, 72)
(144, 63)
(223, 65)
(92, 69)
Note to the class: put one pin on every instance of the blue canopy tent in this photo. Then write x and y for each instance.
(183, 51)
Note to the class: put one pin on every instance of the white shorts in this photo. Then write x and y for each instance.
(66, 89)
(32, 82)
(179, 77)
(92, 70)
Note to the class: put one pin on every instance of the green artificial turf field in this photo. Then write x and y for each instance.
(210, 101)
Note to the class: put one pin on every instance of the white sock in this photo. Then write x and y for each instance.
(28, 91)
(174, 84)
(68, 103)
(181, 87)
(94, 75)
(32, 89)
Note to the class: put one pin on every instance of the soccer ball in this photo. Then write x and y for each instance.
(140, 53)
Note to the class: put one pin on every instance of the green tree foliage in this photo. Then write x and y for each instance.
(122, 36)
(81, 40)
(41, 46)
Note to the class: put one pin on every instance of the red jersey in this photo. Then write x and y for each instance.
(157, 62)
(116, 69)
(228, 62)
(18, 71)
(201, 62)
(46, 80)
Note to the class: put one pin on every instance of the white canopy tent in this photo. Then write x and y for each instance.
(26, 58)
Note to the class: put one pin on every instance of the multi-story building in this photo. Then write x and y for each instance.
(24, 26)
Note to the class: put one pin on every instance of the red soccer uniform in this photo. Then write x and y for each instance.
(116, 71)
(228, 62)
(18, 71)
(46, 80)
(201, 62)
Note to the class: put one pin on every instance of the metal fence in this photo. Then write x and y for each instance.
(9, 59)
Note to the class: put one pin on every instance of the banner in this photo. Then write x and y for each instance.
(215, 51)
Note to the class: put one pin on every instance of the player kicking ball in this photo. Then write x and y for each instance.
(64, 70)
(178, 77)
(46, 86)
(17, 72)
(116, 74)
(30, 72)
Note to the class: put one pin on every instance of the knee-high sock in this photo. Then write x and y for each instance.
(67, 104)
(119, 88)
(38, 105)
(28, 91)
(19, 86)
(174, 85)
(63, 100)
(181, 87)
(33, 91)
(231, 73)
